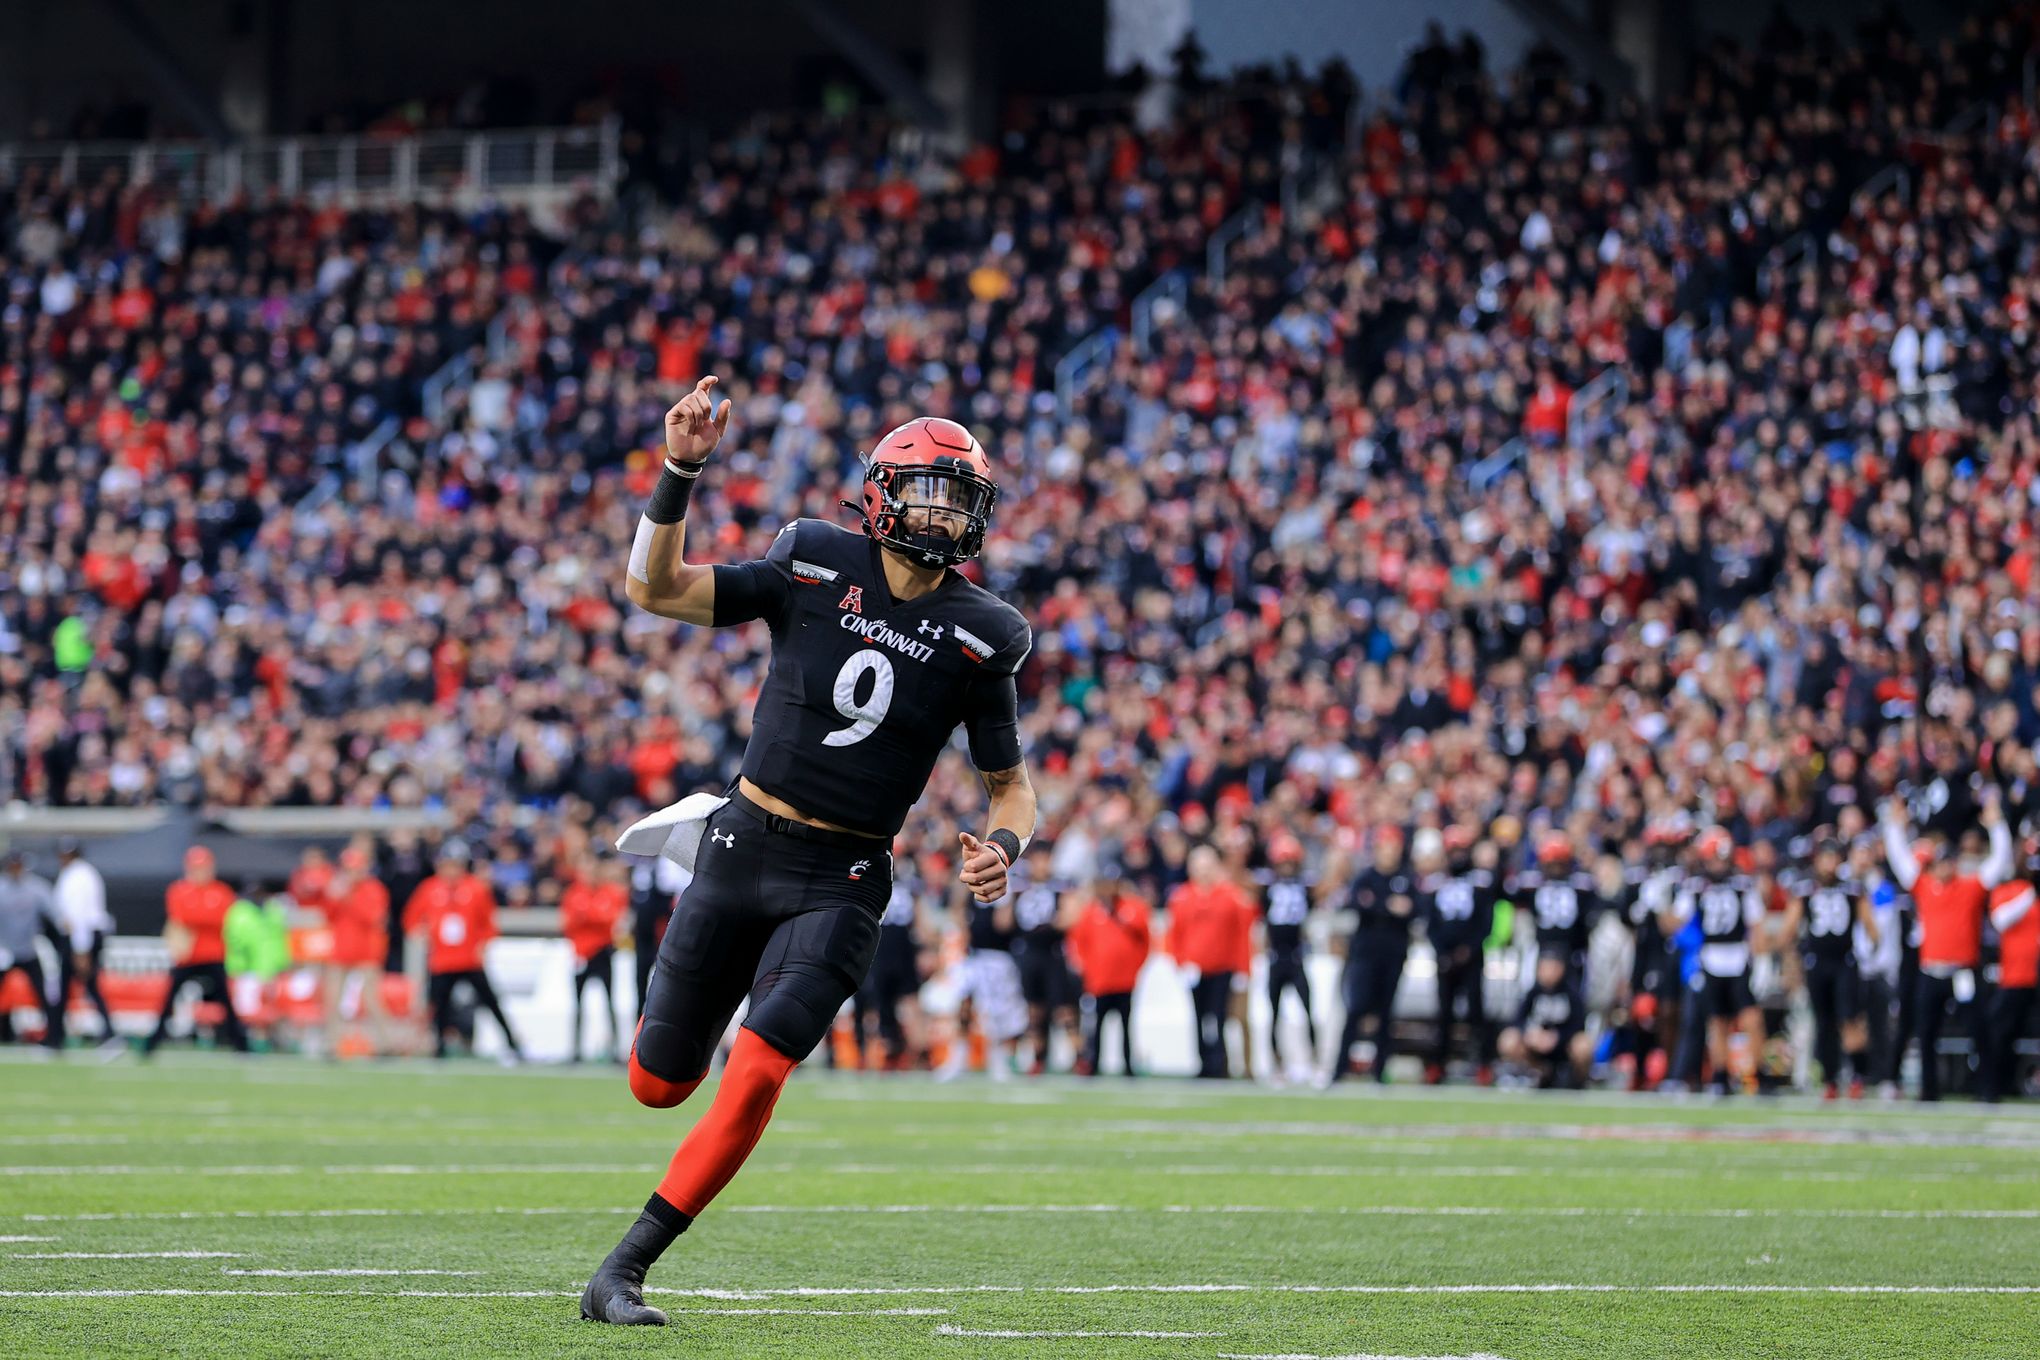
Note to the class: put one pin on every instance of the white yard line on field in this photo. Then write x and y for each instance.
(1591, 1139)
(15, 1237)
(449, 1294)
(172, 1215)
(1356, 1170)
(1002, 1334)
(278, 1273)
(126, 1256)
(369, 1169)
(1275, 1210)
(909, 1291)
(1365, 1355)
(1382, 1210)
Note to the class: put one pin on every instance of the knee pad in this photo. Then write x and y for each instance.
(664, 1065)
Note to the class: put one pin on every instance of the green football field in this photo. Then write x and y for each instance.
(208, 1206)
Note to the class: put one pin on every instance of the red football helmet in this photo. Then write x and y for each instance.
(934, 466)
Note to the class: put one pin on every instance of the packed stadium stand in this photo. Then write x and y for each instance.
(1504, 464)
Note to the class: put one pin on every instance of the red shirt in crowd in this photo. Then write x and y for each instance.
(308, 885)
(1109, 946)
(2018, 923)
(1951, 919)
(1206, 924)
(588, 916)
(358, 916)
(201, 908)
(458, 917)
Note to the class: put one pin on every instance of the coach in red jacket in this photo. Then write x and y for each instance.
(1208, 918)
(591, 909)
(196, 906)
(456, 912)
(1949, 898)
(1108, 941)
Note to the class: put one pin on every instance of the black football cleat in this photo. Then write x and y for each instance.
(617, 1294)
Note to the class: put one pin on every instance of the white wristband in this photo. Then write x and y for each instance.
(641, 550)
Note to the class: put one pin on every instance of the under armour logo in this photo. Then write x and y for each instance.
(723, 838)
(857, 869)
(853, 600)
(927, 629)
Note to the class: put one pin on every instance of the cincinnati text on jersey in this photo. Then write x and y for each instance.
(878, 634)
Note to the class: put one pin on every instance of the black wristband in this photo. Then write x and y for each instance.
(1008, 843)
(669, 498)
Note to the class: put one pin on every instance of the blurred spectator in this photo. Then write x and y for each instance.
(83, 922)
(2011, 1005)
(1108, 943)
(257, 937)
(1950, 889)
(196, 906)
(1208, 915)
(27, 909)
(989, 996)
(455, 911)
(357, 911)
(591, 916)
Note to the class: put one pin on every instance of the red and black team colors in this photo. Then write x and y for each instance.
(880, 650)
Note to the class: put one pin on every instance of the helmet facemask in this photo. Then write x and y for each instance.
(935, 515)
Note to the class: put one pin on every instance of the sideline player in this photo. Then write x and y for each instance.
(1822, 920)
(1726, 904)
(880, 650)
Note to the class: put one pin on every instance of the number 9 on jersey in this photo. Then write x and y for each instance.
(865, 717)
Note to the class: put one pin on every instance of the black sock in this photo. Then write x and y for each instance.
(650, 1235)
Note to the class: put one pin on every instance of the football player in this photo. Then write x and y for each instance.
(1457, 897)
(1724, 902)
(1046, 983)
(1285, 909)
(1382, 898)
(880, 650)
(1822, 919)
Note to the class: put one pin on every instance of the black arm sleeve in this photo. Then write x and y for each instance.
(991, 722)
(757, 590)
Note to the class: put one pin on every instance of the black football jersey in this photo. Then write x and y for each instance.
(986, 929)
(1371, 894)
(864, 690)
(1286, 906)
(1563, 905)
(1459, 908)
(1034, 908)
(1553, 1008)
(1726, 905)
(1827, 921)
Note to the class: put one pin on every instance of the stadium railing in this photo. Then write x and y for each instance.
(501, 164)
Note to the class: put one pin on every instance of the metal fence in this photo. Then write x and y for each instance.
(490, 164)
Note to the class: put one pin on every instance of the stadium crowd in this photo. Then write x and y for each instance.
(1359, 577)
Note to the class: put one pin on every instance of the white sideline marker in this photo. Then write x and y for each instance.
(11, 1237)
